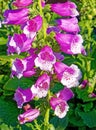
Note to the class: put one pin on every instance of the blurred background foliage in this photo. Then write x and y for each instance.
(82, 113)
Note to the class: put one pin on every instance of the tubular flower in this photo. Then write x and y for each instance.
(65, 9)
(65, 94)
(68, 25)
(22, 3)
(59, 106)
(16, 17)
(68, 75)
(22, 96)
(23, 67)
(28, 116)
(18, 43)
(70, 44)
(32, 26)
(45, 59)
(41, 86)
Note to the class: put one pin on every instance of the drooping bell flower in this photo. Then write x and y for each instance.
(18, 43)
(59, 106)
(22, 96)
(65, 9)
(70, 44)
(22, 3)
(28, 116)
(23, 67)
(68, 75)
(41, 87)
(69, 25)
(32, 26)
(45, 59)
(16, 16)
(65, 94)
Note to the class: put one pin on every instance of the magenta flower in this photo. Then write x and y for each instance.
(18, 43)
(59, 106)
(22, 3)
(68, 25)
(32, 26)
(41, 87)
(45, 59)
(28, 116)
(23, 67)
(70, 44)
(68, 75)
(22, 96)
(65, 94)
(16, 17)
(65, 9)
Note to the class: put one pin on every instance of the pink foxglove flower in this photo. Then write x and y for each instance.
(32, 26)
(59, 106)
(70, 44)
(28, 116)
(68, 25)
(22, 96)
(16, 17)
(41, 87)
(83, 84)
(18, 43)
(65, 94)
(68, 75)
(65, 9)
(23, 67)
(22, 3)
(45, 59)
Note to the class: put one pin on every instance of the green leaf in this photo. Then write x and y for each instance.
(58, 123)
(13, 83)
(84, 94)
(3, 41)
(5, 127)
(8, 112)
(89, 118)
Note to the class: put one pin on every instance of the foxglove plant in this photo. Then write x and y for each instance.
(44, 62)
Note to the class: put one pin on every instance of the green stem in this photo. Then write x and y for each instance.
(36, 125)
(46, 119)
(44, 21)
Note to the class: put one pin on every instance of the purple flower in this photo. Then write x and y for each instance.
(28, 116)
(68, 75)
(65, 9)
(59, 106)
(70, 44)
(45, 59)
(83, 84)
(22, 96)
(16, 17)
(18, 43)
(23, 67)
(41, 86)
(22, 3)
(68, 25)
(65, 94)
(32, 26)
(59, 56)
(52, 28)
